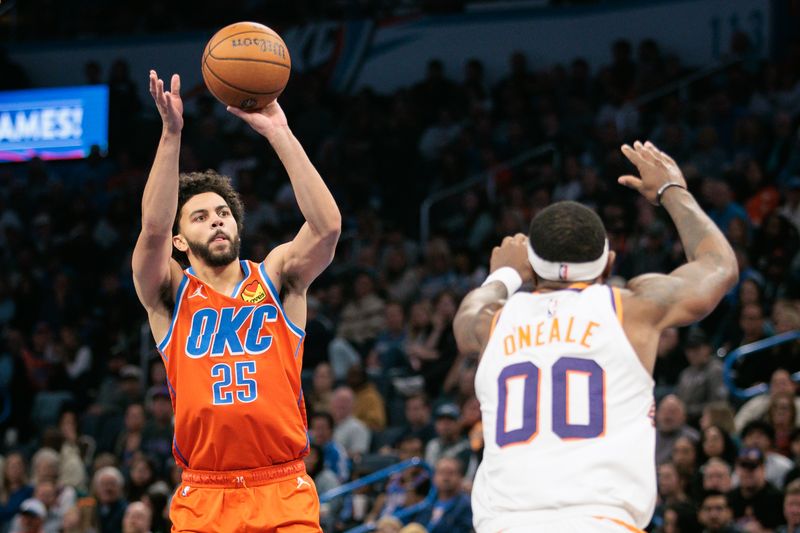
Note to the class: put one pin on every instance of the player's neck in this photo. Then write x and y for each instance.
(543, 285)
(222, 279)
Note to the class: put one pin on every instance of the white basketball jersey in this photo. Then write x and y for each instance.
(567, 414)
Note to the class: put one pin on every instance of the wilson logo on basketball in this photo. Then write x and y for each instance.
(253, 292)
(263, 44)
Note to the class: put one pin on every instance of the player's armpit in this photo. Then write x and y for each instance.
(154, 270)
(473, 321)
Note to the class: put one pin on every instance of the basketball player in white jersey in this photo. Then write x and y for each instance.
(564, 380)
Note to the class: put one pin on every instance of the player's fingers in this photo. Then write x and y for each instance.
(175, 85)
(236, 111)
(632, 155)
(160, 89)
(152, 81)
(632, 182)
(643, 151)
(654, 154)
(665, 157)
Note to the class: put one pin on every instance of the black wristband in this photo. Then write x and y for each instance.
(663, 189)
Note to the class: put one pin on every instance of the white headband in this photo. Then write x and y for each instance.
(553, 271)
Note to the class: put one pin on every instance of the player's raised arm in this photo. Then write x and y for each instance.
(304, 258)
(152, 263)
(509, 268)
(690, 292)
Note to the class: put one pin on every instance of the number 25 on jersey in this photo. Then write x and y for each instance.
(238, 377)
(526, 376)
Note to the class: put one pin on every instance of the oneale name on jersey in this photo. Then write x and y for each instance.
(567, 330)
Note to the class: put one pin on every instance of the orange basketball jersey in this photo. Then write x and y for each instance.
(233, 369)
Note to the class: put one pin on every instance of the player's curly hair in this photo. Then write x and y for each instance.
(567, 232)
(194, 183)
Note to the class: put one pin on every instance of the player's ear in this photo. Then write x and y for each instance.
(180, 243)
(535, 279)
(612, 256)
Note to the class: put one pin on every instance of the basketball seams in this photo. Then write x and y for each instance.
(208, 68)
(276, 63)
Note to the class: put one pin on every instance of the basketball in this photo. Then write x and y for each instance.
(246, 65)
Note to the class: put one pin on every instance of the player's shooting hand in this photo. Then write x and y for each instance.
(169, 103)
(513, 252)
(655, 168)
(266, 121)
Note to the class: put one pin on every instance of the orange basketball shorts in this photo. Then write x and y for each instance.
(280, 499)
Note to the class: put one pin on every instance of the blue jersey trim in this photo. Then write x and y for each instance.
(308, 444)
(246, 269)
(178, 451)
(178, 299)
(613, 302)
(297, 330)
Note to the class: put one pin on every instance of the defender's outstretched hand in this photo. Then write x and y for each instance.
(169, 103)
(655, 168)
(265, 121)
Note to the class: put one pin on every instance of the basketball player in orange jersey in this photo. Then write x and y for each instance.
(564, 379)
(230, 332)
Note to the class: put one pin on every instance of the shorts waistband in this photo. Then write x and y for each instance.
(244, 478)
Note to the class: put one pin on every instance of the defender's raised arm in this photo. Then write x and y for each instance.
(692, 291)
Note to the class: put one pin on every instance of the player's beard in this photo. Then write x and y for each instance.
(216, 259)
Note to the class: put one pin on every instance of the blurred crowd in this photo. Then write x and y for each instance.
(51, 19)
(86, 427)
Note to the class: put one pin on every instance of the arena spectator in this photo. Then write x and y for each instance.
(369, 405)
(109, 491)
(16, 487)
(670, 361)
(671, 488)
(670, 425)
(449, 441)
(715, 513)
(318, 398)
(755, 499)
(323, 477)
(141, 474)
(701, 382)
(157, 434)
(761, 435)
(755, 408)
(130, 440)
(401, 486)
(333, 454)
(46, 468)
(350, 432)
(717, 443)
(452, 511)
(781, 415)
(719, 414)
(791, 509)
(680, 517)
(32, 514)
(717, 475)
(137, 518)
